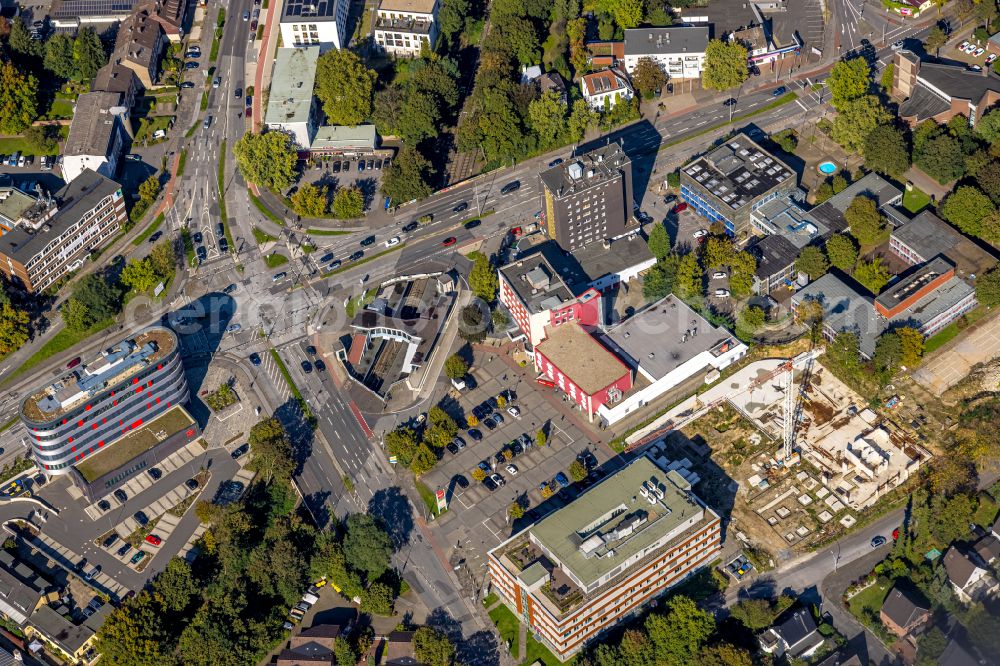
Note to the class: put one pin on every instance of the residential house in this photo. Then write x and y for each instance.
(310, 646)
(679, 50)
(797, 636)
(941, 91)
(969, 580)
(140, 43)
(552, 82)
(399, 650)
(117, 78)
(605, 88)
(321, 23)
(956, 655)
(97, 136)
(406, 27)
(987, 549)
(904, 614)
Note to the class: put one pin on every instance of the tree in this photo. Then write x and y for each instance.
(966, 207)
(345, 87)
(139, 275)
(648, 77)
(936, 38)
(657, 14)
(309, 200)
(838, 183)
(888, 351)
(750, 321)
(88, 53)
(515, 511)
(627, 13)
(741, 274)
(724, 654)
(41, 138)
(149, 189)
(93, 300)
(366, 546)
(402, 443)
(988, 288)
(19, 40)
(856, 121)
(455, 367)
(754, 614)
(581, 119)
(689, 275)
(272, 450)
(885, 81)
(13, 328)
(424, 459)
(940, 157)
(988, 126)
(659, 242)
(848, 81)
(59, 56)
(343, 652)
(18, 104)
(577, 471)
(823, 192)
(517, 36)
(844, 351)
(540, 438)
(451, 19)
(812, 262)
(547, 116)
(911, 343)
(406, 179)
(267, 159)
(842, 252)
(377, 599)
(472, 323)
(483, 278)
(432, 647)
(886, 151)
(133, 634)
(678, 635)
(348, 203)
(725, 65)
(872, 275)
(660, 279)
(866, 222)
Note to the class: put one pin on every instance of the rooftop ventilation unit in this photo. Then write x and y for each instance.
(575, 170)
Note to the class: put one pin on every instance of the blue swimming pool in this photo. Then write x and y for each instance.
(827, 167)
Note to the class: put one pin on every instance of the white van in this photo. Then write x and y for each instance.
(310, 598)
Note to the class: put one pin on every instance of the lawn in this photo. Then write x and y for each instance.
(951, 331)
(327, 232)
(16, 144)
(181, 163)
(265, 211)
(60, 342)
(536, 651)
(150, 230)
(60, 109)
(303, 405)
(490, 599)
(274, 260)
(262, 236)
(150, 124)
(428, 496)
(915, 199)
(131, 445)
(509, 627)
(867, 601)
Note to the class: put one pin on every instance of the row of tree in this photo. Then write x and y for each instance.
(418, 449)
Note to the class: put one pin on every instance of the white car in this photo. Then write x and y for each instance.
(722, 293)
(514, 411)
(701, 233)
(897, 45)
(970, 49)
(512, 469)
(719, 275)
(990, 58)
(980, 51)
(964, 45)
(392, 241)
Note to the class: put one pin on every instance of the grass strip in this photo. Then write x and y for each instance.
(150, 230)
(265, 211)
(360, 262)
(327, 232)
(182, 162)
(188, 247)
(262, 236)
(274, 260)
(204, 106)
(222, 198)
(781, 101)
(60, 342)
(303, 405)
(10, 424)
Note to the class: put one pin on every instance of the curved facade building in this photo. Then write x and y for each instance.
(95, 403)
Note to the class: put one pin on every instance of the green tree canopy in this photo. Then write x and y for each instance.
(455, 367)
(988, 126)
(689, 274)
(345, 87)
(988, 288)
(59, 56)
(407, 178)
(812, 262)
(659, 241)
(866, 222)
(849, 80)
(483, 278)
(348, 203)
(309, 200)
(872, 275)
(725, 65)
(139, 275)
(966, 208)
(366, 546)
(581, 119)
(547, 115)
(648, 76)
(18, 102)
(13, 328)
(936, 38)
(842, 251)
(267, 159)
(856, 120)
(272, 450)
(88, 54)
(940, 157)
(886, 151)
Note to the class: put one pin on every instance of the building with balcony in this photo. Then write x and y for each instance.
(601, 559)
(679, 50)
(405, 27)
(102, 399)
(321, 23)
(57, 234)
(588, 198)
(732, 181)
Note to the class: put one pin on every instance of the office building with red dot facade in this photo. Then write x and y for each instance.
(99, 401)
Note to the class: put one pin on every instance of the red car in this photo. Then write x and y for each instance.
(73, 362)
(153, 540)
(449, 241)
(680, 207)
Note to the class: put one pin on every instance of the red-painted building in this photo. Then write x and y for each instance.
(582, 367)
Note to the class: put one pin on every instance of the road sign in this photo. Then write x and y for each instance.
(441, 503)
(392, 460)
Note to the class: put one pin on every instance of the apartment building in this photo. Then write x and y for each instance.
(680, 50)
(320, 23)
(56, 235)
(404, 27)
(291, 107)
(97, 135)
(588, 198)
(599, 560)
(95, 404)
(603, 89)
(732, 181)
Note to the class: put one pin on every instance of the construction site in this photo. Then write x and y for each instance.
(789, 452)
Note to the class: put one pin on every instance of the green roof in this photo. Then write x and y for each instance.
(609, 525)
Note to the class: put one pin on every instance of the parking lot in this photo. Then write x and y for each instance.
(478, 514)
(348, 172)
(969, 51)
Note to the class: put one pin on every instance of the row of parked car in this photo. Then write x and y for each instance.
(307, 601)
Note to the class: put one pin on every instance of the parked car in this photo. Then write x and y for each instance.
(878, 541)
(191, 64)
(73, 362)
(562, 480)
(111, 540)
(721, 293)
(104, 505)
(474, 434)
(514, 411)
(121, 496)
(279, 276)
(490, 484)
(240, 451)
(472, 224)
(233, 328)
(779, 91)
(719, 275)
(230, 288)
(192, 484)
(306, 367)
(511, 469)
(452, 448)
(700, 233)
(153, 540)
(217, 82)
(138, 557)
(556, 162)
(154, 473)
(897, 45)
(124, 550)
(498, 479)
(255, 358)
(460, 481)
(978, 52)
(238, 93)
(141, 518)
(320, 365)
(489, 423)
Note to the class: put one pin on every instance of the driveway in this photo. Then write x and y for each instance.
(946, 369)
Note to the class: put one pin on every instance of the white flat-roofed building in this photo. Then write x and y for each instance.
(404, 27)
(291, 107)
(679, 50)
(321, 23)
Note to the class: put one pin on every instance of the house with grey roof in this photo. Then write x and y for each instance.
(291, 107)
(926, 236)
(939, 91)
(796, 636)
(831, 212)
(97, 136)
(969, 579)
(844, 310)
(904, 614)
(679, 50)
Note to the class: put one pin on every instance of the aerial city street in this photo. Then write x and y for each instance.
(467, 333)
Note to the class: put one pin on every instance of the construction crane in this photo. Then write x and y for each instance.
(793, 405)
